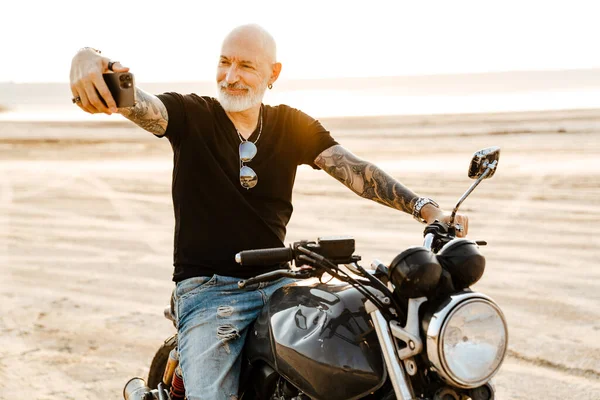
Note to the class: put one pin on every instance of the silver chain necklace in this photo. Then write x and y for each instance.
(259, 130)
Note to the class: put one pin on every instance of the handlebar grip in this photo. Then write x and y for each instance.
(265, 256)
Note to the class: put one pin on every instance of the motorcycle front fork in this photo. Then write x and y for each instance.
(396, 372)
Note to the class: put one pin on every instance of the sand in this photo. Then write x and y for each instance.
(86, 227)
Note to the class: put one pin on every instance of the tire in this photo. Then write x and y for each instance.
(159, 362)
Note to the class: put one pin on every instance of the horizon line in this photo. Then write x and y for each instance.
(427, 75)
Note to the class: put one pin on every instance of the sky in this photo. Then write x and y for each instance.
(180, 40)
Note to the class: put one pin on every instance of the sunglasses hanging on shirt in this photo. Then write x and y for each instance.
(248, 150)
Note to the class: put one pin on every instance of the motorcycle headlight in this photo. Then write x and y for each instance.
(467, 340)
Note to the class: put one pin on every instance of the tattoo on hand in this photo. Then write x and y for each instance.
(148, 113)
(366, 179)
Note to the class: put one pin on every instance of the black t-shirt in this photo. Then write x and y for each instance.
(215, 217)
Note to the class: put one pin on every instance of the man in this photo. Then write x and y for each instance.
(235, 161)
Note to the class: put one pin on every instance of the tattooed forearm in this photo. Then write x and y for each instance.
(365, 179)
(148, 113)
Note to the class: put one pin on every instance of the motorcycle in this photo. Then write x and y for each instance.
(412, 329)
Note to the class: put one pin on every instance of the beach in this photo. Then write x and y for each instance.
(86, 241)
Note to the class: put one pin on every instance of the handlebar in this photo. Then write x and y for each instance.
(335, 250)
(265, 257)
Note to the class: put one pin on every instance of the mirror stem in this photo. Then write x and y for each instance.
(468, 192)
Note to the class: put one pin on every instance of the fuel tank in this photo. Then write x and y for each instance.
(320, 338)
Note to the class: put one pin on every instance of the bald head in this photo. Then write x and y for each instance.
(247, 67)
(254, 38)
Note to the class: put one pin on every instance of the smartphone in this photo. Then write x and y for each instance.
(122, 88)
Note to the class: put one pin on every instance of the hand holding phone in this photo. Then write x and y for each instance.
(89, 85)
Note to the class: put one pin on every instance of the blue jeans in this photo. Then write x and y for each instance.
(213, 317)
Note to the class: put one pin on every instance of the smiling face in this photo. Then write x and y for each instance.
(246, 67)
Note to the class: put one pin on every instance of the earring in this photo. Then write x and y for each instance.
(270, 86)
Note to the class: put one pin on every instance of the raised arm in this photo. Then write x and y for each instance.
(87, 85)
(371, 182)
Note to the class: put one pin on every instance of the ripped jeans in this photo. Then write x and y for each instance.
(213, 317)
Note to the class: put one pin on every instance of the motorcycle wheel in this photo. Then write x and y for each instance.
(159, 362)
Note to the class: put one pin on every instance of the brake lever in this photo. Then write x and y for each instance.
(302, 273)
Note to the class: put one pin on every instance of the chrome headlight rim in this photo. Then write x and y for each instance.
(436, 331)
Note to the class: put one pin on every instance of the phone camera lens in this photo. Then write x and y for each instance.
(126, 85)
(123, 78)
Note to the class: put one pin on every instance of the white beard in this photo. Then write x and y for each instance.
(233, 103)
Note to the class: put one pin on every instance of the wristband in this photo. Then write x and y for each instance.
(419, 204)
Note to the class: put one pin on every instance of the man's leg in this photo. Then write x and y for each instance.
(212, 317)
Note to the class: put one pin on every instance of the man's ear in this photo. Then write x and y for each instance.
(276, 70)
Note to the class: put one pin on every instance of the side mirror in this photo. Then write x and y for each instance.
(482, 160)
(483, 165)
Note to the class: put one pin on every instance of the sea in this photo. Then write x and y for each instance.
(322, 98)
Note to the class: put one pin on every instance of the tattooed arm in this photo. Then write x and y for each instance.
(371, 182)
(366, 179)
(148, 113)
